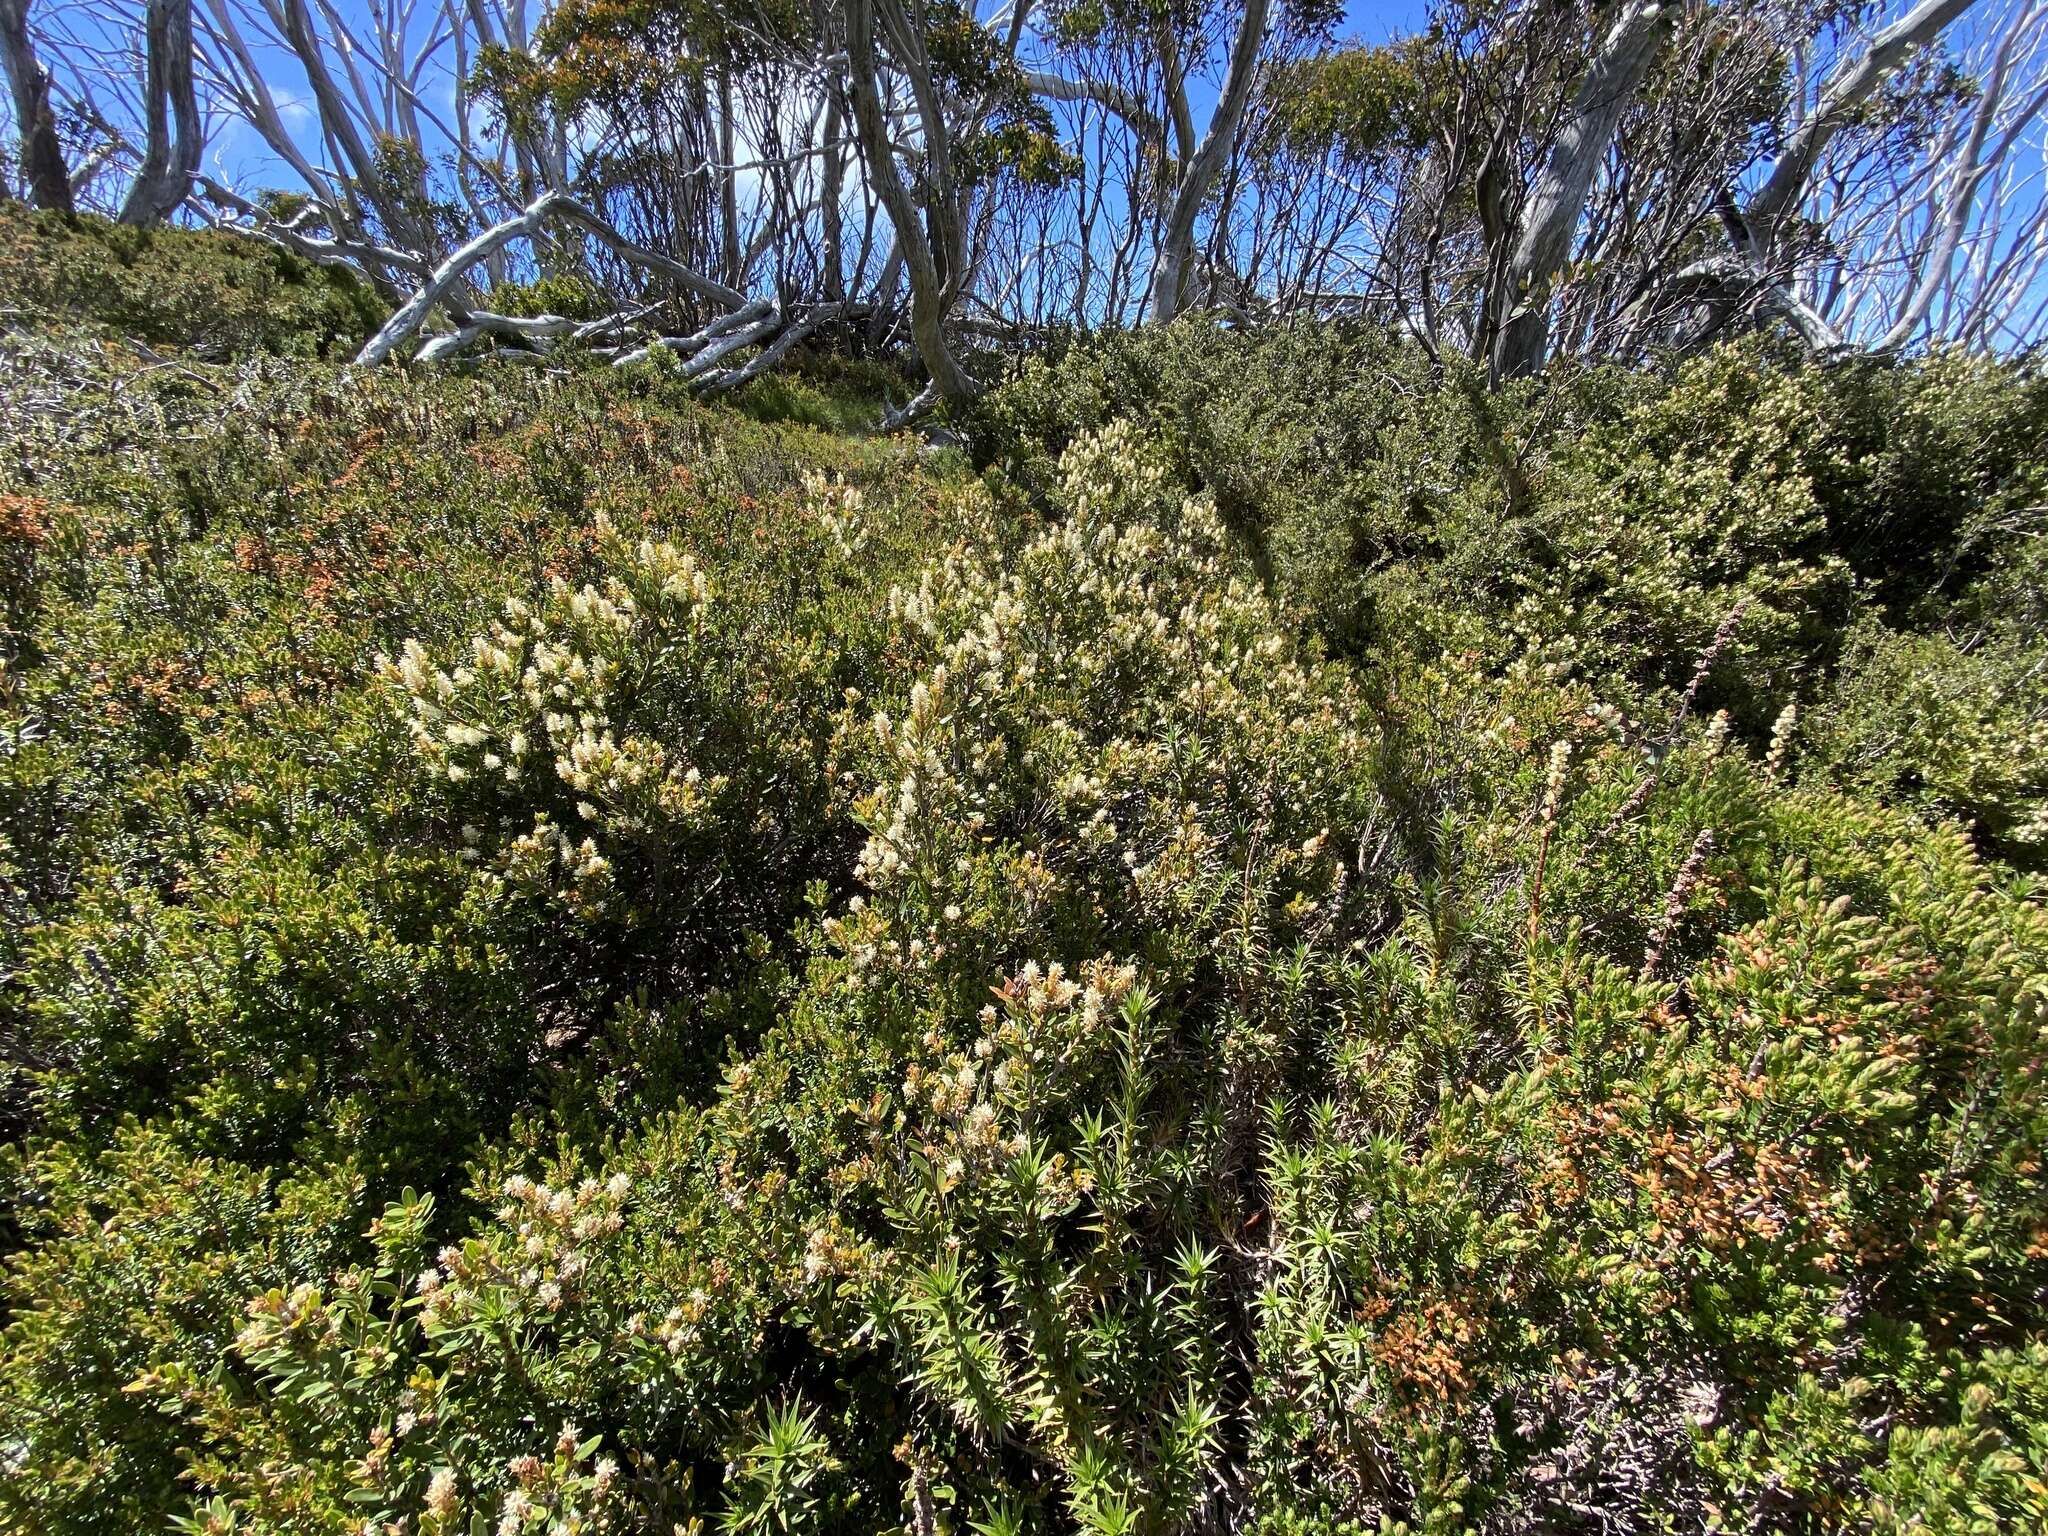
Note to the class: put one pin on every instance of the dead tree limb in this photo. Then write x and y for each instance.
(482, 323)
(747, 315)
(374, 263)
(410, 315)
(524, 225)
(772, 354)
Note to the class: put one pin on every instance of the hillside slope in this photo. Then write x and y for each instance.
(1308, 951)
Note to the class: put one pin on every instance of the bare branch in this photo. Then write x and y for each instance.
(1849, 86)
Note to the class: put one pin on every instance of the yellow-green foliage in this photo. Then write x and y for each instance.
(581, 962)
(218, 294)
(1609, 525)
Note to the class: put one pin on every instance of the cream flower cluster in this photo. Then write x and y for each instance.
(298, 1320)
(540, 1253)
(556, 665)
(839, 508)
(679, 1328)
(542, 686)
(548, 861)
(1077, 721)
(565, 1494)
(977, 1107)
(921, 747)
(1554, 777)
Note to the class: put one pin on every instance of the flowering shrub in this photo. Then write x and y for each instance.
(1611, 523)
(1666, 524)
(1112, 788)
(1922, 718)
(536, 694)
(241, 907)
(589, 964)
(353, 1419)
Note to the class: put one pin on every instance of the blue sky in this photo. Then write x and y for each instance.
(1378, 23)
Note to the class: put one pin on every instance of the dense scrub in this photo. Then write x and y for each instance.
(1877, 526)
(1279, 959)
(219, 295)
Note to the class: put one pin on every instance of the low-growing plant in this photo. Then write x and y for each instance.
(220, 295)
(1315, 952)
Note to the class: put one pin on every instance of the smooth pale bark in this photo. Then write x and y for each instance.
(731, 332)
(524, 225)
(90, 167)
(1169, 278)
(341, 125)
(1551, 212)
(1104, 93)
(725, 346)
(919, 406)
(336, 122)
(771, 355)
(1756, 232)
(412, 314)
(374, 264)
(42, 156)
(946, 195)
(1851, 84)
(1973, 166)
(560, 205)
(1174, 79)
(831, 257)
(258, 107)
(927, 289)
(1731, 279)
(481, 324)
(728, 183)
(171, 156)
(725, 325)
(883, 321)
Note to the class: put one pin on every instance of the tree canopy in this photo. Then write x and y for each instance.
(1512, 182)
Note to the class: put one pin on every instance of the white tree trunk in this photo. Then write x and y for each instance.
(1169, 277)
(1551, 212)
(927, 287)
(1786, 184)
(42, 157)
(171, 157)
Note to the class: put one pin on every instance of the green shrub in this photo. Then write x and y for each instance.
(219, 294)
(592, 963)
(1610, 525)
(1658, 526)
(552, 293)
(126, 1290)
(1952, 724)
(1944, 472)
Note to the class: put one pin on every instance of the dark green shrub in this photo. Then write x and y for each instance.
(590, 962)
(1944, 472)
(219, 294)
